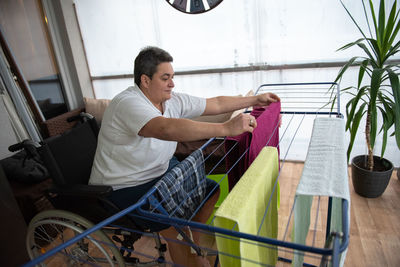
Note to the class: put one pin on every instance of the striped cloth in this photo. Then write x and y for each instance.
(183, 188)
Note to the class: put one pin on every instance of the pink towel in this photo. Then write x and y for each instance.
(265, 134)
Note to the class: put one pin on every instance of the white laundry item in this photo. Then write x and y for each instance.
(324, 174)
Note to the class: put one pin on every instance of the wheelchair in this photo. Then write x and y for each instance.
(79, 206)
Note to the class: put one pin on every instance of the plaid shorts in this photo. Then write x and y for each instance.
(123, 198)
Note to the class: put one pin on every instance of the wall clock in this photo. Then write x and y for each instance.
(194, 6)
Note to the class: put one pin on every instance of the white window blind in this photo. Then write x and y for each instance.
(235, 34)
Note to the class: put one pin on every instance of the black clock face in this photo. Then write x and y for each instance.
(194, 6)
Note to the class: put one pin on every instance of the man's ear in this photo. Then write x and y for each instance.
(145, 80)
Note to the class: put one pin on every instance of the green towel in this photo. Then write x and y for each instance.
(222, 179)
(243, 210)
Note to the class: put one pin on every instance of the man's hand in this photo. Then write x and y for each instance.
(266, 99)
(240, 124)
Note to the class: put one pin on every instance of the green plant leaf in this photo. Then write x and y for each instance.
(386, 102)
(377, 51)
(348, 12)
(384, 137)
(376, 82)
(330, 103)
(389, 27)
(381, 24)
(394, 82)
(387, 115)
(348, 105)
(393, 50)
(347, 89)
(354, 103)
(374, 126)
(333, 95)
(386, 124)
(366, 16)
(354, 128)
(375, 86)
(347, 46)
(372, 59)
(383, 112)
(333, 102)
(396, 30)
(363, 67)
(376, 26)
(342, 71)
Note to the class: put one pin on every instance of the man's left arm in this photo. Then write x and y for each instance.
(223, 104)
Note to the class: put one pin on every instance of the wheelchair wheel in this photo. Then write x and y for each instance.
(51, 228)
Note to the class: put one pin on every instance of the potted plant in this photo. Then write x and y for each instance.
(379, 95)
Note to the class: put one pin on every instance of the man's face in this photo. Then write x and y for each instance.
(161, 84)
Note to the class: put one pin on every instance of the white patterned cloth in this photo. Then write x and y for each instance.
(324, 174)
(325, 168)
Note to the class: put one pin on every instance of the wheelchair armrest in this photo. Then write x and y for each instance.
(81, 190)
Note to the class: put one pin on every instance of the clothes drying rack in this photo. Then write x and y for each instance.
(301, 102)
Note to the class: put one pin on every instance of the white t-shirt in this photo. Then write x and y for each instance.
(123, 158)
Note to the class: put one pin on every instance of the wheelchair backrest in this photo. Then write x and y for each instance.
(69, 156)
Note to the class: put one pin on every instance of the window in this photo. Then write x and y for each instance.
(227, 51)
(24, 28)
(234, 34)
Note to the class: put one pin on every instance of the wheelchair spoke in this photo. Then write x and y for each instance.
(50, 230)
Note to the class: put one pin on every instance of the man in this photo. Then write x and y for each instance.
(140, 130)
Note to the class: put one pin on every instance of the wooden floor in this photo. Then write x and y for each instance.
(375, 228)
(374, 222)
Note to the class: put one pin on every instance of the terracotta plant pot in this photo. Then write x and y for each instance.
(368, 183)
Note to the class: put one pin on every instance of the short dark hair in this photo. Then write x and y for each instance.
(147, 61)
